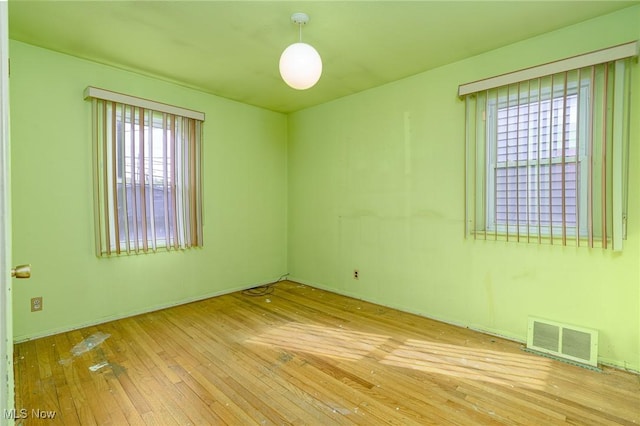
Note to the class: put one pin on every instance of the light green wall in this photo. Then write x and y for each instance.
(244, 194)
(373, 181)
(376, 183)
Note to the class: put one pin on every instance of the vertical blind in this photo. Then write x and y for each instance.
(147, 174)
(546, 157)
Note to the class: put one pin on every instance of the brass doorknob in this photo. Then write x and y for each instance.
(21, 271)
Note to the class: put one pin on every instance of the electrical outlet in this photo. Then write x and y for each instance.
(355, 274)
(36, 304)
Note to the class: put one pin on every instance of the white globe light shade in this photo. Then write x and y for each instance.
(300, 66)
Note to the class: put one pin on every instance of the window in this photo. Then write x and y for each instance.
(536, 155)
(147, 174)
(547, 156)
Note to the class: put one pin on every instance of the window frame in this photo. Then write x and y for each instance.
(493, 107)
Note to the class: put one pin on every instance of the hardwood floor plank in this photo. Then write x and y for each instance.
(125, 404)
(395, 387)
(306, 356)
(220, 404)
(236, 375)
(83, 409)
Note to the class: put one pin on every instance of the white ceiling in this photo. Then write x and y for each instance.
(232, 48)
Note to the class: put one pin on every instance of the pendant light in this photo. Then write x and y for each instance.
(300, 63)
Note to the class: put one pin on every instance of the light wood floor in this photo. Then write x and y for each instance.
(306, 356)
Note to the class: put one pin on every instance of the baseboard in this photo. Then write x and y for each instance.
(604, 362)
(513, 338)
(146, 310)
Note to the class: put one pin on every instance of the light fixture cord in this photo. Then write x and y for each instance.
(300, 28)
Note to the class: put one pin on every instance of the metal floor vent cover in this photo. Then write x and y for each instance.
(570, 342)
